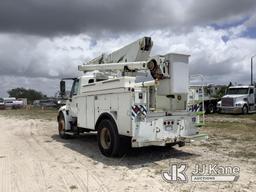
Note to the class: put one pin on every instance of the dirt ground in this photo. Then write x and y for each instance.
(34, 158)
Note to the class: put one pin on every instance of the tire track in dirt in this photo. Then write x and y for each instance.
(45, 155)
(94, 179)
(54, 164)
(5, 180)
(37, 160)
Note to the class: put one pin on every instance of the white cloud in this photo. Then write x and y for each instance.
(45, 85)
(26, 60)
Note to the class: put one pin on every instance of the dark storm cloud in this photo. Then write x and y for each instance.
(217, 11)
(45, 85)
(30, 56)
(50, 17)
(54, 17)
(49, 38)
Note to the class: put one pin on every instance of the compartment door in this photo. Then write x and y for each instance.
(82, 112)
(90, 111)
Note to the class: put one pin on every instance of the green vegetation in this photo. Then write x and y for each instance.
(234, 116)
(30, 94)
(240, 132)
(234, 135)
(33, 113)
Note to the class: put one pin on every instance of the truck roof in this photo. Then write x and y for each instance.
(9, 98)
(107, 85)
(241, 86)
(208, 85)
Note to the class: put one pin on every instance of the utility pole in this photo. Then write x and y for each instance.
(252, 69)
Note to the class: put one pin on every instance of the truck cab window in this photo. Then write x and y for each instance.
(75, 87)
(251, 91)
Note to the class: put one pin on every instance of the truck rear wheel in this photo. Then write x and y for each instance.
(61, 127)
(109, 140)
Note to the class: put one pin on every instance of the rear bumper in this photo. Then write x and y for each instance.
(177, 140)
(166, 130)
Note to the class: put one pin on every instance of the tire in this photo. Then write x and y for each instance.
(61, 127)
(210, 108)
(245, 110)
(109, 141)
(181, 144)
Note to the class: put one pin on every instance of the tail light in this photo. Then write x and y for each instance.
(168, 122)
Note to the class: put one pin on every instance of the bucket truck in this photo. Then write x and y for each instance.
(131, 100)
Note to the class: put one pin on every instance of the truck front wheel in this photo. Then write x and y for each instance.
(210, 108)
(245, 110)
(61, 126)
(109, 139)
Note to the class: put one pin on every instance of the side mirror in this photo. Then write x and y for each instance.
(62, 88)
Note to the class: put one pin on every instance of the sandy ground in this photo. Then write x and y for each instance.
(33, 158)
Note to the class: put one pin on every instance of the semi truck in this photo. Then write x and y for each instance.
(238, 99)
(112, 99)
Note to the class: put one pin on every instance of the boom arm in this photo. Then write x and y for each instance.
(131, 58)
(137, 51)
(155, 68)
(140, 65)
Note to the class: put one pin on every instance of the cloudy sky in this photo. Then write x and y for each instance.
(43, 41)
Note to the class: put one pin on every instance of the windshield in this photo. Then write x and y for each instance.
(237, 91)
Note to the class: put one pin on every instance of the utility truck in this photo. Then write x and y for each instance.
(112, 99)
(238, 99)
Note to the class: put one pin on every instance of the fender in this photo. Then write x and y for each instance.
(242, 103)
(67, 117)
(106, 115)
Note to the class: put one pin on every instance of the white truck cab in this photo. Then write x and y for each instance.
(238, 99)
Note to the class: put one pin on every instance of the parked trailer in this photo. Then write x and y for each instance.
(208, 97)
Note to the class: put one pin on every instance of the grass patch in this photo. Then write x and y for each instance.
(243, 154)
(231, 130)
(235, 139)
(251, 116)
(33, 113)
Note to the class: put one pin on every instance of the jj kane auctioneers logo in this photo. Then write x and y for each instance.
(201, 173)
(176, 173)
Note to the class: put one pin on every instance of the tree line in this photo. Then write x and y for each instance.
(30, 94)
